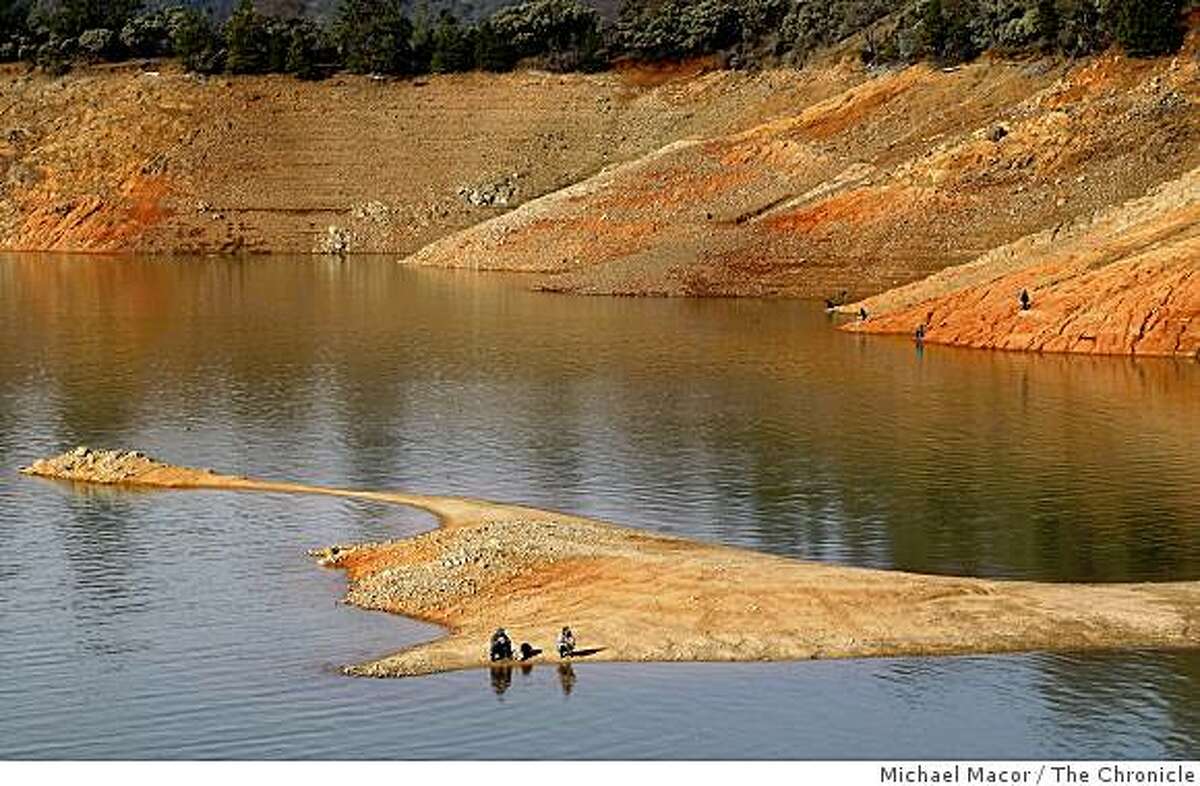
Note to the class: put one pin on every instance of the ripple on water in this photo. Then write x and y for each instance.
(193, 625)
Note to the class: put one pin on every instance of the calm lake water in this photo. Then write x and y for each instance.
(192, 625)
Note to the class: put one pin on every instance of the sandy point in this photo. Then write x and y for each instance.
(631, 595)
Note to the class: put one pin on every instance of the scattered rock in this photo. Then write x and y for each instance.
(95, 466)
(374, 211)
(499, 193)
(156, 165)
(337, 241)
(21, 175)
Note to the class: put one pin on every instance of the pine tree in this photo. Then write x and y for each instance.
(374, 36)
(453, 47)
(960, 43)
(302, 54)
(934, 31)
(247, 40)
(1047, 24)
(194, 39)
(492, 51)
(13, 15)
(1081, 29)
(421, 39)
(1145, 28)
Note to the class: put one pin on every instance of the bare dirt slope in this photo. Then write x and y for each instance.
(675, 181)
(894, 178)
(1125, 282)
(637, 596)
(148, 158)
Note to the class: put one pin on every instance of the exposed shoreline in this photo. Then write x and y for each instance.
(632, 595)
(1142, 298)
(936, 194)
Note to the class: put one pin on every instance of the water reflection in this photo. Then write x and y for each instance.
(566, 678)
(102, 554)
(745, 422)
(741, 422)
(501, 679)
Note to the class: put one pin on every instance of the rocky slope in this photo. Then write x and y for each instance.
(1073, 179)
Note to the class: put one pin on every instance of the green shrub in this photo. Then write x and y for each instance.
(147, 35)
(563, 34)
(247, 41)
(1145, 28)
(69, 18)
(678, 28)
(55, 55)
(374, 37)
(754, 30)
(1047, 24)
(1005, 25)
(811, 24)
(98, 44)
(1081, 29)
(195, 40)
(151, 34)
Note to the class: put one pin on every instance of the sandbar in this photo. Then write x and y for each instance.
(637, 596)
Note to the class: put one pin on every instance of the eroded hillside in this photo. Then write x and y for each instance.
(897, 177)
(1125, 282)
(1073, 179)
(127, 159)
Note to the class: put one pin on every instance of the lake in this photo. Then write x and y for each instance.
(193, 625)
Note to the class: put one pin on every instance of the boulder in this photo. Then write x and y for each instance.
(336, 241)
(498, 193)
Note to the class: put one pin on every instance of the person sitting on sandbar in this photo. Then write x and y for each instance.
(566, 643)
(501, 646)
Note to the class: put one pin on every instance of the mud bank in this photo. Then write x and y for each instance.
(637, 596)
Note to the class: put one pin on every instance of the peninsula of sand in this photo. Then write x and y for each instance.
(631, 595)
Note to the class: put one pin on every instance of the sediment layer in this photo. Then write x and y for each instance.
(899, 175)
(146, 158)
(631, 595)
(1126, 282)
